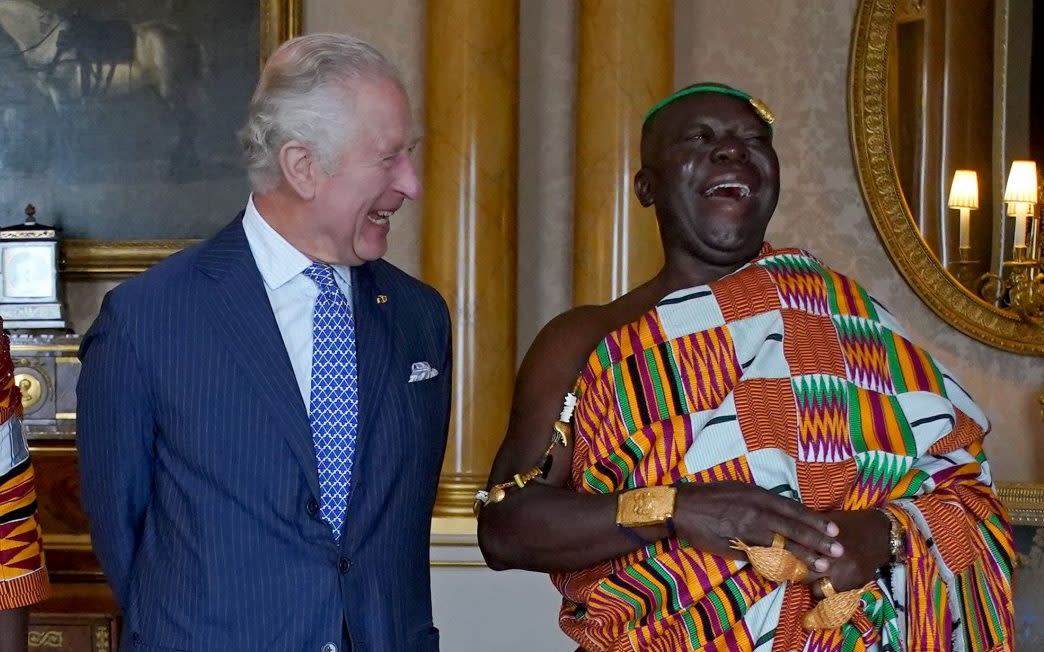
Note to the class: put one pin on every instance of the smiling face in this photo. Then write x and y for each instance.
(353, 206)
(709, 168)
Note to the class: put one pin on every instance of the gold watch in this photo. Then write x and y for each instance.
(645, 506)
(896, 539)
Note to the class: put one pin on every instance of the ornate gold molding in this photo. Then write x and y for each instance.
(1025, 502)
(879, 182)
(115, 258)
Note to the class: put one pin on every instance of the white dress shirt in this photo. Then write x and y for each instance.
(291, 293)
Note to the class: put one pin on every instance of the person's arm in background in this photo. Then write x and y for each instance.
(23, 576)
(115, 442)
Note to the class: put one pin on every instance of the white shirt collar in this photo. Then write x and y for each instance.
(278, 260)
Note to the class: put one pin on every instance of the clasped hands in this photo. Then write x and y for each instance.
(847, 547)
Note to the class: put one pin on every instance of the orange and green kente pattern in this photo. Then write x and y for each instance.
(787, 375)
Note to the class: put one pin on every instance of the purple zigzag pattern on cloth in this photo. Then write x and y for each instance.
(822, 419)
(866, 356)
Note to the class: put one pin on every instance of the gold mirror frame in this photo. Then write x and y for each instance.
(879, 182)
(279, 20)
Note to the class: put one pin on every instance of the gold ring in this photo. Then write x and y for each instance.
(826, 587)
(777, 540)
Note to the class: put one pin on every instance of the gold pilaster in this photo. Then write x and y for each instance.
(626, 63)
(469, 223)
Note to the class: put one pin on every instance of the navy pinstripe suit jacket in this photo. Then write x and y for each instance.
(199, 475)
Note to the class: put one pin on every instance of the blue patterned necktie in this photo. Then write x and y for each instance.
(334, 399)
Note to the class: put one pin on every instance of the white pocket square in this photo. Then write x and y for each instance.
(422, 371)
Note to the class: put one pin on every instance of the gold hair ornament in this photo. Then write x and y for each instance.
(762, 110)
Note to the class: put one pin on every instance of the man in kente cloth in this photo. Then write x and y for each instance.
(751, 455)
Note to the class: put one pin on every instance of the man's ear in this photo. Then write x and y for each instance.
(643, 187)
(300, 169)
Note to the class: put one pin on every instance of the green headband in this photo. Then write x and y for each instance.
(759, 107)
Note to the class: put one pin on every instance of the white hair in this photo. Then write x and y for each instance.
(305, 94)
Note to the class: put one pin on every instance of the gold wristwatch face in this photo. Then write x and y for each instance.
(646, 506)
(898, 543)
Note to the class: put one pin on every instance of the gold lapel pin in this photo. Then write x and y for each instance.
(382, 298)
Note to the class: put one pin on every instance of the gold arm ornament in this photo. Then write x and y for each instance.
(561, 435)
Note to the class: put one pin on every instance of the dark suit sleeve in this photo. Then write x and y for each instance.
(447, 365)
(115, 441)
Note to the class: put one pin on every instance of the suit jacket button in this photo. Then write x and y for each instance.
(312, 507)
(343, 565)
(328, 647)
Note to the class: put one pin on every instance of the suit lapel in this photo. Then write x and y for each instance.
(242, 314)
(373, 339)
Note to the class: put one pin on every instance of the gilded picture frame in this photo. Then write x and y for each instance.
(879, 183)
(105, 240)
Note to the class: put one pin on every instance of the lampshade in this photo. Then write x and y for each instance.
(1022, 183)
(964, 192)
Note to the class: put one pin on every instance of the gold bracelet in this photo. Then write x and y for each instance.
(896, 539)
(645, 506)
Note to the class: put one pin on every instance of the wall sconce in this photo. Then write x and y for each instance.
(1021, 284)
(1020, 193)
(964, 196)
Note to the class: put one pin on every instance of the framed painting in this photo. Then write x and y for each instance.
(118, 119)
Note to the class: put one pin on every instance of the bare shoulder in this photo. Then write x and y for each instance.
(568, 338)
(561, 349)
(549, 370)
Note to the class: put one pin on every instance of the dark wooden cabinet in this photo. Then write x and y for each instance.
(81, 614)
(79, 617)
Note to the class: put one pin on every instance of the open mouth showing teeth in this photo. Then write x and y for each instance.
(380, 218)
(730, 190)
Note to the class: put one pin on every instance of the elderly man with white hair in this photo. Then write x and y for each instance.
(262, 418)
